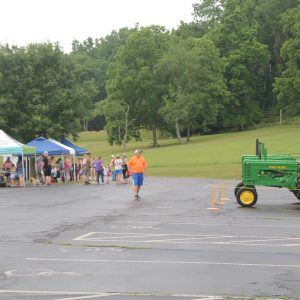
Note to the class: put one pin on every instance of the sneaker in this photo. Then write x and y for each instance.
(136, 197)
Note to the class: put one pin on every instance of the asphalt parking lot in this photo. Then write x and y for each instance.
(70, 242)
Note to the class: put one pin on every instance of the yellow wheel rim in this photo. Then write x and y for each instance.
(247, 197)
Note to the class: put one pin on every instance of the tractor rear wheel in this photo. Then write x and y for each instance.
(247, 196)
(238, 186)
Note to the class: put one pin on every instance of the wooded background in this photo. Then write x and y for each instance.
(237, 64)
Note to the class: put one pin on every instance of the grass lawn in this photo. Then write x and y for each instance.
(211, 156)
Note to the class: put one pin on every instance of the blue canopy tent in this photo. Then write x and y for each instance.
(42, 144)
(78, 150)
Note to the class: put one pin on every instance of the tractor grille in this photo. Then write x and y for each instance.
(248, 171)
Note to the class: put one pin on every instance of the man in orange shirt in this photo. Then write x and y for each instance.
(137, 166)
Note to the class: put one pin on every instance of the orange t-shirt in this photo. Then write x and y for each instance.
(137, 164)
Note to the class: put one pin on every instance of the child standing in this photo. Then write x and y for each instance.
(108, 173)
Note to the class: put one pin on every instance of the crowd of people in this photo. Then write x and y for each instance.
(88, 169)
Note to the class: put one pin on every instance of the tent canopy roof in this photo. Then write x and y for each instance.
(71, 150)
(78, 150)
(42, 144)
(9, 145)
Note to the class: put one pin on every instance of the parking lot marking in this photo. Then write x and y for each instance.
(178, 238)
(53, 292)
(86, 297)
(214, 225)
(85, 236)
(265, 240)
(113, 236)
(134, 295)
(164, 262)
(36, 273)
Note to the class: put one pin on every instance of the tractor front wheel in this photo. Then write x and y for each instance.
(247, 196)
(238, 186)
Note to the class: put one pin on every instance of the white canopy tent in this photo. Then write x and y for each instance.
(10, 146)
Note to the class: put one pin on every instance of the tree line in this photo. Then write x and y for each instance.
(236, 64)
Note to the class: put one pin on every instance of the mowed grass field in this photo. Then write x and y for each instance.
(210, 156)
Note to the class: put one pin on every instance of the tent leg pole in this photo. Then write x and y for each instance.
(23, 167)
(74, 169)
(35, 166)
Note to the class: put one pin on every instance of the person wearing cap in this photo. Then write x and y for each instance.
(137, 165)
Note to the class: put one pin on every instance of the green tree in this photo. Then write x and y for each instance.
(133, 78)
(119, 126)
(247, 64)
(270, 32)
(39, 92)
(209, 12)
(287, 86)
(188, 30)
(92, 58)
(193, 71)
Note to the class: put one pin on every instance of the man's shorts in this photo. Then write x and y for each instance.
(119, 172)
(47, 171)
(138, 179)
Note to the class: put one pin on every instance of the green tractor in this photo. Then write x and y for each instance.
(281, 171)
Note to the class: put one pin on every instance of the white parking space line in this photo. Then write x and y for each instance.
(178, 238)
(134, 295)
(67, 293)
(137, 222)
(85, 236)
(117, 261)
(85, 297)
(266, 240)
(213, 225)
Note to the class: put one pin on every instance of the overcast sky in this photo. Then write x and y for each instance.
(26, 21)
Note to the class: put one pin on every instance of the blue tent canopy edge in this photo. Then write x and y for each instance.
(42, 144)
(78, 150)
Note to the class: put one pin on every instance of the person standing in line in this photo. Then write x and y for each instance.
(99, 170)
(93, 170)
(13, 176)
(67, 169)
(72, 171)
(125, 168)
(112, 165)
(39, 169)
(60, 169)
(137, 166)
(80, 169)
(8, 165)
(46, 167)
(76, 171)
(87, 169)
(20, 171)
(118, 169)
(108, 173)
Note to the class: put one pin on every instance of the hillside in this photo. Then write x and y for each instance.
(211, 156)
